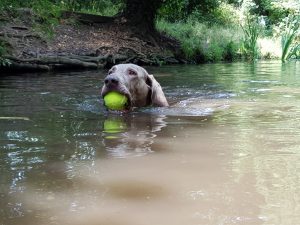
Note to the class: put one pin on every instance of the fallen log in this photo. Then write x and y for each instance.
(55, 60)
(25, 67)
(86, 18)
(26, 35)
(94, 59)
(67, 61)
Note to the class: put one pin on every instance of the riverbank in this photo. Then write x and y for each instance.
(77, 41)
(64, 40)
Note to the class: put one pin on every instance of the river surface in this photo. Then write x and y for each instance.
(226, 152)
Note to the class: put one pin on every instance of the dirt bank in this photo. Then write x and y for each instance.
(79, 41)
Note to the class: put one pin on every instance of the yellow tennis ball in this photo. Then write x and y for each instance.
(115, 101)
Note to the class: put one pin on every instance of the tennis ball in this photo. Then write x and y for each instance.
(115, 101)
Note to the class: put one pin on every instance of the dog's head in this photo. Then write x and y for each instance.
(136, 84)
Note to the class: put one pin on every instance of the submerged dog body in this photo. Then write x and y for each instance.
(136, 84)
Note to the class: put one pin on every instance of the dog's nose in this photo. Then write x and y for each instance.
(111, 81)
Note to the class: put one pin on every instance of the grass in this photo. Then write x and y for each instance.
(251, 31)
(53, 7)
(289, 46)
(97, 7)
(203, 43)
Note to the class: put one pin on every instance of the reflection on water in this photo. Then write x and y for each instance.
(225, 152)
(123, 135)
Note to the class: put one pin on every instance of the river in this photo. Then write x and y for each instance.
(227, 150)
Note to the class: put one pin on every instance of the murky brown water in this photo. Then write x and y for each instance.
(226, 152)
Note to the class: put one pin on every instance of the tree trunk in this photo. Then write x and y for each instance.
(141, 14)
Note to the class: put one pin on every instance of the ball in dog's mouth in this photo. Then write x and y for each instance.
(115, 101)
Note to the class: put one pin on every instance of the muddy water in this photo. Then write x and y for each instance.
(226, 152)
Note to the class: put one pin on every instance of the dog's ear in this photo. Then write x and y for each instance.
(157, 95)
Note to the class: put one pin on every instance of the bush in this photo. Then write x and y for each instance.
(226, 14)
(101, 7)
(181, 10)
(203, 43)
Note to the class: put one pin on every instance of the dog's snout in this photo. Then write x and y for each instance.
(111, 81)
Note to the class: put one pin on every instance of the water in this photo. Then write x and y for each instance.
(226, 152)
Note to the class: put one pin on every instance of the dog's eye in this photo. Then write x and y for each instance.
(112, 70)
(132, 72)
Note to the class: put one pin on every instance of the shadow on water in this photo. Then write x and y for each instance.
(225, 152)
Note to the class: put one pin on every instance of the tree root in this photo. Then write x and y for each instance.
(78, 62)
(47, 63)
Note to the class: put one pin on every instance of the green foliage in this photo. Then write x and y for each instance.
(294, 52)
(208, 33)
(203, 43)
(12, 4)
(251, 29)
(226, 14)
(178, 10)
(49, 10)
(297, 52)
(207, 30)
(101, 7)
(289, 30)
(4, 62)
(276, 10)
(173, 10)
(46, 13)
(3, 51)
(211, 12)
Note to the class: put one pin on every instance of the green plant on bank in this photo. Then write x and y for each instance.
(48, 12)
(4, 62)
(296, 52)
(48, 15)
(203, 43)
(289, 31)
(251, 29)
(45, 13)
(3, 51)
(99, 7)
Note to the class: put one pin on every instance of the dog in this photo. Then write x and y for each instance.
(136, 84)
